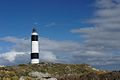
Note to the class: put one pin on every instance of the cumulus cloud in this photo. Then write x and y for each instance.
(11, 55)
(14, 57)
(50, 50)
(44, 43)
(104, 37)
(48, 56)
(106, 30)
(53, 45)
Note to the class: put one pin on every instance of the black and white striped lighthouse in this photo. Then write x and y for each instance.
(34, 47)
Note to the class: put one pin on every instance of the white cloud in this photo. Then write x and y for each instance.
(106, 30)
(105, 3)
(49, 50)
(44, 43)
(14, 57)
(104, 38)
(10, 56)
(53, 45)
(48, 56)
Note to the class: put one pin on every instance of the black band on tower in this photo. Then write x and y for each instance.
(34, 37)
(34, 55)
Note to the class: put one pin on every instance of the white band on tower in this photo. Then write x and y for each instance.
(35, 47)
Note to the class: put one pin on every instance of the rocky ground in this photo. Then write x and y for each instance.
(51, 71)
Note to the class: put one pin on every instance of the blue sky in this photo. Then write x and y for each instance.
(53, 19)
(71, 31)
(21, 15)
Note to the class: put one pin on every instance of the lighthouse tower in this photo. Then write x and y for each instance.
(34, 47)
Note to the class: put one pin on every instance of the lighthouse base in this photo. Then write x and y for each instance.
(34, 61)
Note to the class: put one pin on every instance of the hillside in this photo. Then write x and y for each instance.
(58, 71)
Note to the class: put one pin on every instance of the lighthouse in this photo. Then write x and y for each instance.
(34, 47)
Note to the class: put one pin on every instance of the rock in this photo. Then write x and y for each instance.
(41, 76)
(49, 79)
(22, 78)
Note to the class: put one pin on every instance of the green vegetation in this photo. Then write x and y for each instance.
(60, 71)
